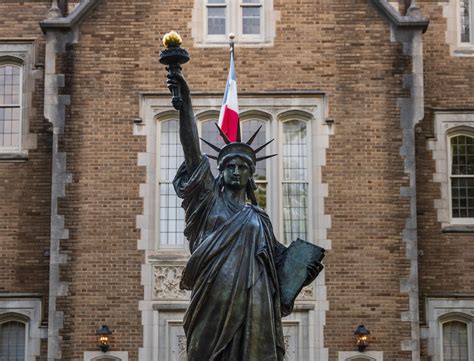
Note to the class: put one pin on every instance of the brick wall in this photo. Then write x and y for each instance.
(341, 48)
(25, 186)
(446, 264)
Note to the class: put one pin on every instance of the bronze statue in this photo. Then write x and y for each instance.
(237, 266)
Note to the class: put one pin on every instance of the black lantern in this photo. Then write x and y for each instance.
(103, 338)
(362, 337)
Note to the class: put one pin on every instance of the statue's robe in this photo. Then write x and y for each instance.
(234, 313)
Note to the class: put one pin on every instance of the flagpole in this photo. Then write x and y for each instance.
(232, 57)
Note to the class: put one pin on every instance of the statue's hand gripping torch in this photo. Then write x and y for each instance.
(174, 56)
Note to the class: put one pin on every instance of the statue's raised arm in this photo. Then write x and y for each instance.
(188, 132)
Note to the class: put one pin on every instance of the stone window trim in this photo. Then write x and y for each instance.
(233, 16)
(160, 265)
(360, 356)
(447, 123)
(451, 12)
(440, 311)
(28, 311)
(109, 356)
(21, 53)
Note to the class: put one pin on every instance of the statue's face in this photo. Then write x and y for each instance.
(236, 173)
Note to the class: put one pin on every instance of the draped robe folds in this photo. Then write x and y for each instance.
(234, 313)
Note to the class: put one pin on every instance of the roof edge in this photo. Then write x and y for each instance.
(68, 22)
(413, 19)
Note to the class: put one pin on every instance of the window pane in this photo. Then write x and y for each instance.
(216, 20)
(462, 150)
(9, 85)
(248, 129)
(295, 170)
(251, 1)
(251, 20)
(294, 151)
(10, 126)
(210, 133)
(465, 20)
(216, 1)
(171, 213)
(462, 197)
(12, 341)
(295, 210)
(455, 346)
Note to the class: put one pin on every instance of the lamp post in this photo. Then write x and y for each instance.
(361, 335)
(103, 338)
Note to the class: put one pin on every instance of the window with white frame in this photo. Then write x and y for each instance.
(453, 151)
(466, 22)
(252, 21)
(13, 338)
(17, 75)
(461, 177)
(11, 74)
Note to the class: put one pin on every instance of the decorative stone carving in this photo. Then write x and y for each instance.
(306, 294)
(182, 348)
(166, 283)
(287, 348)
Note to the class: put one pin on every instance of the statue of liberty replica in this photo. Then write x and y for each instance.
(243, 281)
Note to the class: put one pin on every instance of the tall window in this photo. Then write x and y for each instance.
(12, 341)
(10, 106)
(462, 176)
(466, 17)
(170, 158)
(295, 180)
(455, 341)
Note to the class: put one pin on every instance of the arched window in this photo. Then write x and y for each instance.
(295, 179)
(171, 220)
(13, 333)
(10, 105)
(462, 176)
(455, 344)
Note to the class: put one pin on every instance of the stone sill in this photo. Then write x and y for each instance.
(13, 157)
(459, 228)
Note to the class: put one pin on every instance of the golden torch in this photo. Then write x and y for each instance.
(174, 56)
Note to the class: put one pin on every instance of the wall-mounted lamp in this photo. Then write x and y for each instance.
(361, 335)
(103, 338)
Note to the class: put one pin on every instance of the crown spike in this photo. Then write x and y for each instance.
(223, 135)
(265, 157)
(217, 149)
(263, 146)
(252, 138)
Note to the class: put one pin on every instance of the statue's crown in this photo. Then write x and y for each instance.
(237, 148)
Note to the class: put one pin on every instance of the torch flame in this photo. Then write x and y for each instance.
(172, 39)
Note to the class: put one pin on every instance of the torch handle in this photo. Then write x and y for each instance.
(176, 99)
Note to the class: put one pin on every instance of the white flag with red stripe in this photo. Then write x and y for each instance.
(229, 116)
